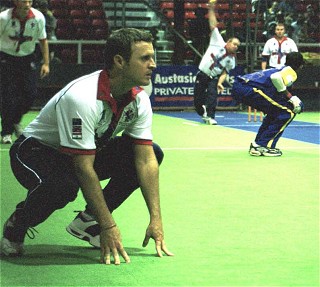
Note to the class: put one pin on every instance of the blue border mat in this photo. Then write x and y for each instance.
(297, 130)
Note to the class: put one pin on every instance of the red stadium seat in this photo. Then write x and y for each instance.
(190, 6)
(78, 13)
(259, 24)
(69, 55)
(99, 24)
(240, 7)
(168, 13)
(203, 5)
(80, 22)
(89, 56)
(100, 34)
(64, 33)
(58, 4)
(166, 5)
(82, 33)
(94, 4)
(60, 13)
(99, 14)
(76, 4)
(222, 7)
(63, 23)
(238, 24)
(189, 15)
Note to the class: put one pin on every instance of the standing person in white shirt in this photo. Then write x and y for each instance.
(74, 143)
(20, 29)
(276, 48)
(216, 63)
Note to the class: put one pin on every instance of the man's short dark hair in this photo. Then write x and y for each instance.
(120, 43)
(294, 60)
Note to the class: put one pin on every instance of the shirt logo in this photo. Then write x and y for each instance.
(19, 37)
(128, 116)
(76, 128)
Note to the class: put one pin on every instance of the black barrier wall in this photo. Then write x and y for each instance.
(306, 87)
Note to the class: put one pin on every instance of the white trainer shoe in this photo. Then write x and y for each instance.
(9, 248)
(6, 139)
(257, 150)
(85, 228)
(209, 121)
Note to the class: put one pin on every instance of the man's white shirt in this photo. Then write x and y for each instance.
(16, 41)
(216, 59)
(75, 117)
(277, 51)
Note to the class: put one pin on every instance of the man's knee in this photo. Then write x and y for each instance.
(158, 152)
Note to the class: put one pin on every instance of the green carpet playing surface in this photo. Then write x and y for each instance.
(230, 219)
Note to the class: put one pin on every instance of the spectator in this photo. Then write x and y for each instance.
(286, 7)
(21, 28)
(312, 20)
(275, 49)
(5, 4)
(51, 25)
(270, 26)
(270, 14)
(288, 20)
(51, 21)
(298, 26)
(199, 31)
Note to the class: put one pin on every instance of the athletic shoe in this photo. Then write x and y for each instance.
(273, 152)
(85, 228)
(257, 150)
(6, 139)
(209, 121)
(18, 130)
(11, 249)
(13, 236)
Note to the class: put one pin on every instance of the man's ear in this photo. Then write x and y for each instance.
(119, 61)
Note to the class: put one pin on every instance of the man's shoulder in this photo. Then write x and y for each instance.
(271, 40)
(290, 40)
(38, 14)
(5, 14)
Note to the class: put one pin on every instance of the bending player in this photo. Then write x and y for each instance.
(267, 91)
(74, 143)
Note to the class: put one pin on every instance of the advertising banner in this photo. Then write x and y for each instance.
(173, 87)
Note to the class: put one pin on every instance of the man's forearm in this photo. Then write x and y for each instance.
(44, 51)
(222, 78)
(148, 175)
(149, 184)
(92, 192)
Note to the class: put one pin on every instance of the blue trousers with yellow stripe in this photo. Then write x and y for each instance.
(275, 106)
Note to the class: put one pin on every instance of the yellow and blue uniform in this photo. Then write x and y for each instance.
(265, 91)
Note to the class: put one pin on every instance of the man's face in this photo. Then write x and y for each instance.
(139, 69)
(23, 7)
(232, 46)
(279, 31)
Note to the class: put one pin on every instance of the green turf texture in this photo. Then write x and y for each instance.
(230, 219)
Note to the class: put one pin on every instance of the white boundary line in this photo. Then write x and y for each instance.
(236, 148)
(314, 147)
